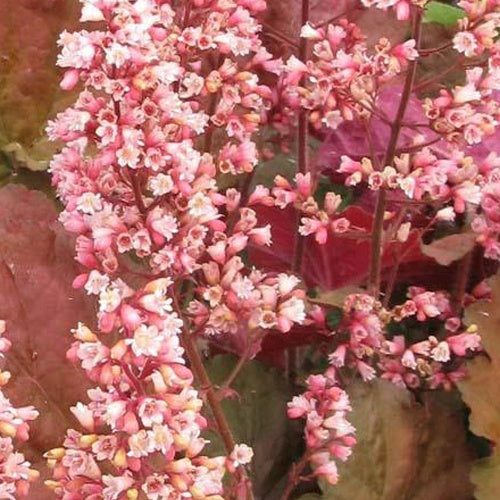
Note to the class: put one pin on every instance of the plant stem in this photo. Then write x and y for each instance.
(302, 161)
(294, 476)
(206, 386)
(462, 280)
(137, 193)
(378, 223)
(279, 35)
(236, 370)
(391, 281)
(302, 143)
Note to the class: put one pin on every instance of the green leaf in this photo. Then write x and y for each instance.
(405, 450)
(480, 392)
(258, 418)
(442, 13)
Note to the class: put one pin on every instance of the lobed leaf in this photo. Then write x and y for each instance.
(258, 418)
(480, 392)
(405, 450)
(29, 90)
(40, 307)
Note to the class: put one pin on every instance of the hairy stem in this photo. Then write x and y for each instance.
(294, 476)
(207, 387)
(378, 223)
(237, 369)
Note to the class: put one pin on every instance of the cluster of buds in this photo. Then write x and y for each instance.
(172, 99)
(343, 77)
(431, 363)
(15, 471)
(235, 298)
(423, 176)
(487, 222)
(363, 344)
(314, 220)
(143, 421)
(138, 182)
(453, 181)
(469, 112)
(478, 30)
(328, 434)
(363, 341)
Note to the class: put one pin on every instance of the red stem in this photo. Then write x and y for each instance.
(378, 223)
(302, 142)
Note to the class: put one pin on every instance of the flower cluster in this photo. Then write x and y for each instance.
(423, 176)
(15, 471)
(401, 7)
(363, 341)
(144, 408)
(478, 29)
(467, 112)
(342, 78)
(170, 108)
(161, 243)
(329, 436)
(487, 222)
(314, 220)
(454, 182)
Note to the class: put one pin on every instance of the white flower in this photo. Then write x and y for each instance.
(147, 341)
(109, 299)
(293, 309)
(161, 184)
(96, 283)
(307, 31)
(441, 352)
(89, 203)
(117, 54)
(286, 283)
(465, 43)
(446, 214)
(91, 13)
(200, 205)
(241, 455)
(166, 226)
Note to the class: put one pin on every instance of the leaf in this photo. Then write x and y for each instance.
(404, 450)
(481, 394)
(442, 13)
(450, 248)
(336, 297)
(40, 307)
(29, 77)
(259, 419)
(339, 263)
(351, 139)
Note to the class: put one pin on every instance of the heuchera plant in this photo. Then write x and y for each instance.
(180, 103)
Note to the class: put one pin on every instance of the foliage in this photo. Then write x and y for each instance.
(302, 185)
(29, 90)
(442, 13)
(480, 393)
(405, 449)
